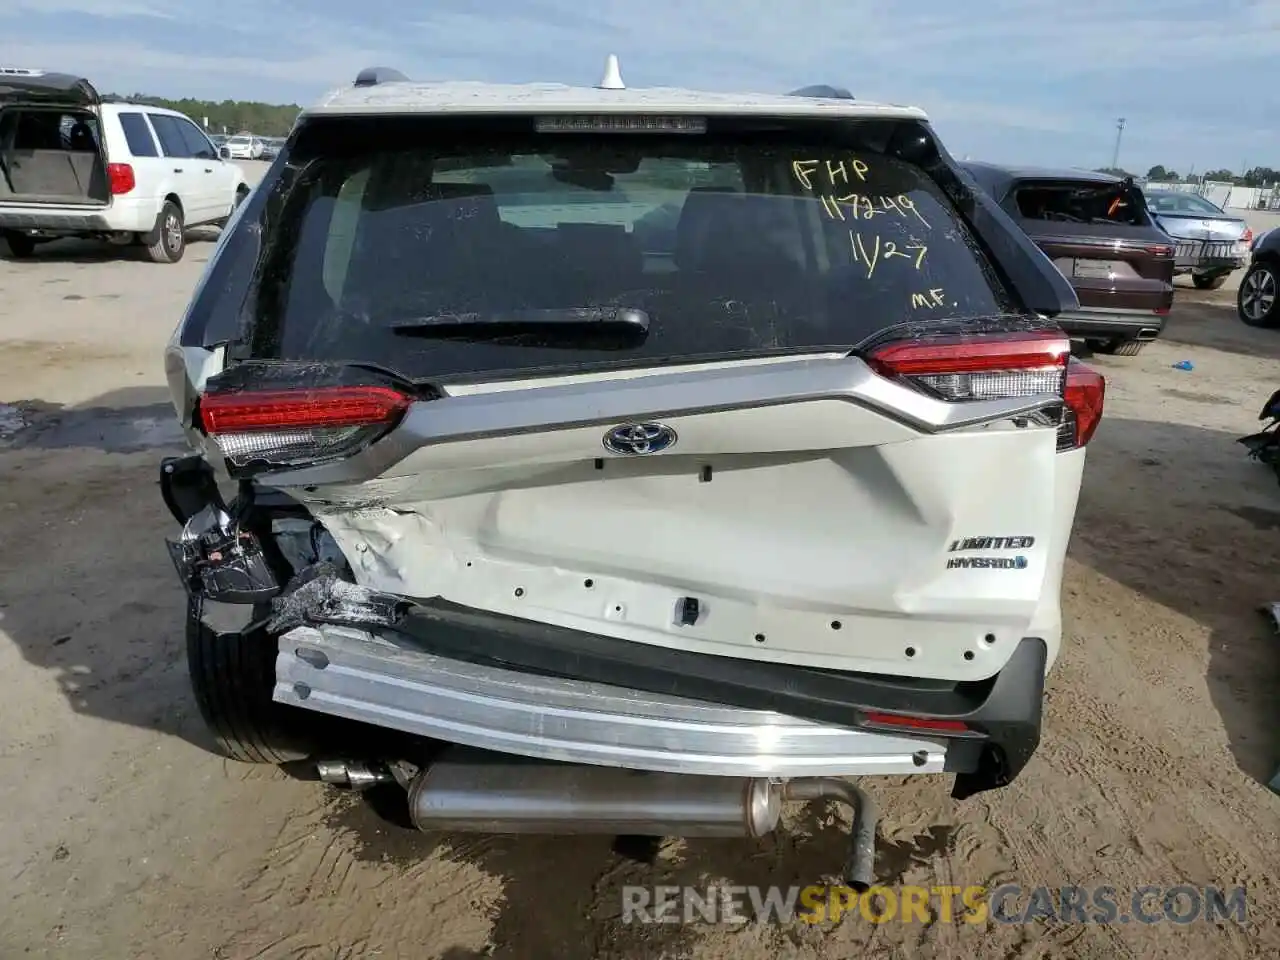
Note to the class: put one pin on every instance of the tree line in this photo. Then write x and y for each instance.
(1257, 177)
(229, 116)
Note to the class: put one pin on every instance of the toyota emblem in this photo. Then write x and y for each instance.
(638, 439)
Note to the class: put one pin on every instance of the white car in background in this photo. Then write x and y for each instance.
(74, 166)
(245, 147)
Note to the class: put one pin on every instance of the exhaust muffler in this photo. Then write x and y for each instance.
(507, 795)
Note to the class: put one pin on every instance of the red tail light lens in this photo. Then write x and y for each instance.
(1248, 235)
(121, 178)
(915, 724)
(995, 367)
(1160, 251)
(988, 367)
(1084, 396)
(284, 428)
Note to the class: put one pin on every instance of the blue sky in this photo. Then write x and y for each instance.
(1034, 81)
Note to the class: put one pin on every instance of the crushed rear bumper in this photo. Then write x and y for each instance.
(499, 683)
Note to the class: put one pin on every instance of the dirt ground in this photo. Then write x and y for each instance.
(124, 836)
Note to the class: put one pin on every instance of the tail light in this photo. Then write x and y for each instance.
(1248, 235)
(1161, 251)
(1002, 366)
(900, 721)
(121, 178)
(987, 367)
(289, 428)
(1083, 398)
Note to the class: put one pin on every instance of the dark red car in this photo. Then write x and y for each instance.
(1097, 230)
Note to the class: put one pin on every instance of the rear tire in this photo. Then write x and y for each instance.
(232, 677)
(1258, 301)
(21, 247)
(1121, 348)
(1209, 283)
(171, 242)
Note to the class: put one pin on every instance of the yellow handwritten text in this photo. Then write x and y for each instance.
(836, 171)
(871, 251)
(861, 206)
(861, 254)
(935, 297)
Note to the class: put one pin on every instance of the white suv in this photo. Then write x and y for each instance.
(699, 450)
(74, 166)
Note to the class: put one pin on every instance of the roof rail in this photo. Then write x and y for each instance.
(824, 90)
(372, 76)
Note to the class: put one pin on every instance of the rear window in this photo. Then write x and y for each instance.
(735, 243)
(1188, 204)
(1081, 202)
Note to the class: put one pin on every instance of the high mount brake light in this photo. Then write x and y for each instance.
(990, 367)
(288, 428)
(995, 367)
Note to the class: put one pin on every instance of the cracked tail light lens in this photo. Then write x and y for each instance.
(290, 428)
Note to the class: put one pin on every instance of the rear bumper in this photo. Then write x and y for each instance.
(1213, 265)
(515, 686)
(1210, 256)
(1129, 324)
(122, 215)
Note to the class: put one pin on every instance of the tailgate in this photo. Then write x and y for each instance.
(806, 511)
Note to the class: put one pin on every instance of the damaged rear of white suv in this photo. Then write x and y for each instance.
(655, 457)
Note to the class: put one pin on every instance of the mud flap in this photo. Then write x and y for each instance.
(152, 236)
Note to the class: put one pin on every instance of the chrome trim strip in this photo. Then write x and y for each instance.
(664, 394)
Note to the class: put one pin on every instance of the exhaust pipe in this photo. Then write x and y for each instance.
(349, 773)
(514, 796)
(1147, 333)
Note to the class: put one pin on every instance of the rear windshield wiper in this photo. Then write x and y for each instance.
(626, 320)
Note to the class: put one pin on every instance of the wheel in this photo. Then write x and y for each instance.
(1257, 302)
(21, 246)
(1214, 282)
(232, 677)
(171, 240)
(1120, 347)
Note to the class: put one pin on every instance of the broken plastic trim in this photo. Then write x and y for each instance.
(319, 594)
(217, 559)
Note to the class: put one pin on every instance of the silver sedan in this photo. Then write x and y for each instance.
(1210, 242)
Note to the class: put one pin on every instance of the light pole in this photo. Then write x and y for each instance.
(1115, 156)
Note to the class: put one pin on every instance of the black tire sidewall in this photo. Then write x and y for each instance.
(163, 250)
(21, 247)
(232, 677)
